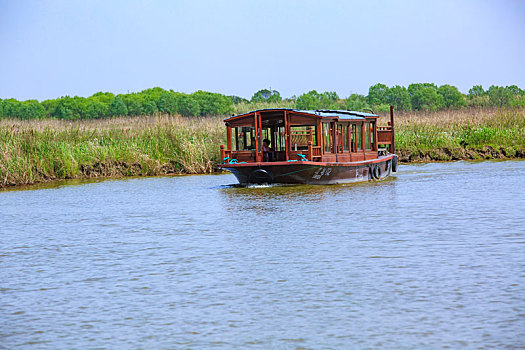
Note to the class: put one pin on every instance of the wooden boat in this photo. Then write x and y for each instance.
(308, 147)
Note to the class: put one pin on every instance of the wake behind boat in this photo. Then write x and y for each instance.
(308, 147)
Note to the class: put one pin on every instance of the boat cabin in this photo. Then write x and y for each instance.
(295, 135)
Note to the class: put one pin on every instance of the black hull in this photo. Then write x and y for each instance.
(313, 173)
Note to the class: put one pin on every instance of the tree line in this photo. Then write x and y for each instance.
(420, 96)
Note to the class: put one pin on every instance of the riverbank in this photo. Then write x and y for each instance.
(46, 150)
(468, 134)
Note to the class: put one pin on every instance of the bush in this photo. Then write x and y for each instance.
(314, 100)
(266, 95)
(117, 107)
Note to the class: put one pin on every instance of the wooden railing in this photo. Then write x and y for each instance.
(384, 135)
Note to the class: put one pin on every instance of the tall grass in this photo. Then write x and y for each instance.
(460, 131)
(35, 151)
(40, 150)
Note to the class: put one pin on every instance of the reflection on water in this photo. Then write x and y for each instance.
(430, 258)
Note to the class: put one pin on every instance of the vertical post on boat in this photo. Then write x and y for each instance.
(393, 130)
(310, 144)
(229, 137)
(373, 145)
(287, 136)
(255, 122)
(259, 136)
(320, 136)
(363, 139)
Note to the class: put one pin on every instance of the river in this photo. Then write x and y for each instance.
(431, 258)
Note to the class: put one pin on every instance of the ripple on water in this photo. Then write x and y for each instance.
(431, 258)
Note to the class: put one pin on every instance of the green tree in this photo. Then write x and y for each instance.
(236, 100)
(104, 97)
(399, 97)
(515, 90)
(212, 103)
(167, 103)
(451, 96)
(95, 109)
(424, 96)
(68, 108)
(314, 100)
(117, 107)
(266, 95)
(149, 107)
(356, 102)
(377, 94)
(476, 90)
(477, 97)
(187, 106)
(10, 108)
(499, 96)
(31, 109)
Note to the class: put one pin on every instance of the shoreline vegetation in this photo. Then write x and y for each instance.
(36, 151)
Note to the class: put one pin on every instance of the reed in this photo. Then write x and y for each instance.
(460, 134)
(42, 150)
(36, 151)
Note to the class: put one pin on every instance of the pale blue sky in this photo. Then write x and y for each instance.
(54, 48)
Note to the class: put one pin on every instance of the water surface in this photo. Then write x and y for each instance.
(431, 258)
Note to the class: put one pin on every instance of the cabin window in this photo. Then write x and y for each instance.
(327, 137)
(278, 139)
(300, 135)
(369, 131)
(342, 135)
(358, 137)
(244, 138)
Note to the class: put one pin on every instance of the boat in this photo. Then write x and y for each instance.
(317, 147)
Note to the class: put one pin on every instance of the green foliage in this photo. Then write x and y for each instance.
(117, 107)
(377, 94)
(187, 105)
(167, 102)
(314, 100)
(266, 95)
(356, 102)
(499, 96)
(477, 97)
(424, 96)
(212, 103)
(25, 110)
(420, 96)
(399, 97)
(476, 90)
(452, 98)
(236, 100)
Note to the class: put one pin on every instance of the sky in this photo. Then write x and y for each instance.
(54, 48)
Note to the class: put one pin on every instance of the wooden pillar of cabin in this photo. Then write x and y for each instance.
(229, 138)
(363, 139)
(260, 150)
(374, 145)
(320, 136)
(334, 137)
(256, 128)
(393, 148)
(287, 135)
(310, 144)
(349, 139)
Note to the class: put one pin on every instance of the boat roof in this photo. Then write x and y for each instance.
(318, 113)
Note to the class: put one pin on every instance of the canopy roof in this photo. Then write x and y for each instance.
(318, 113)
